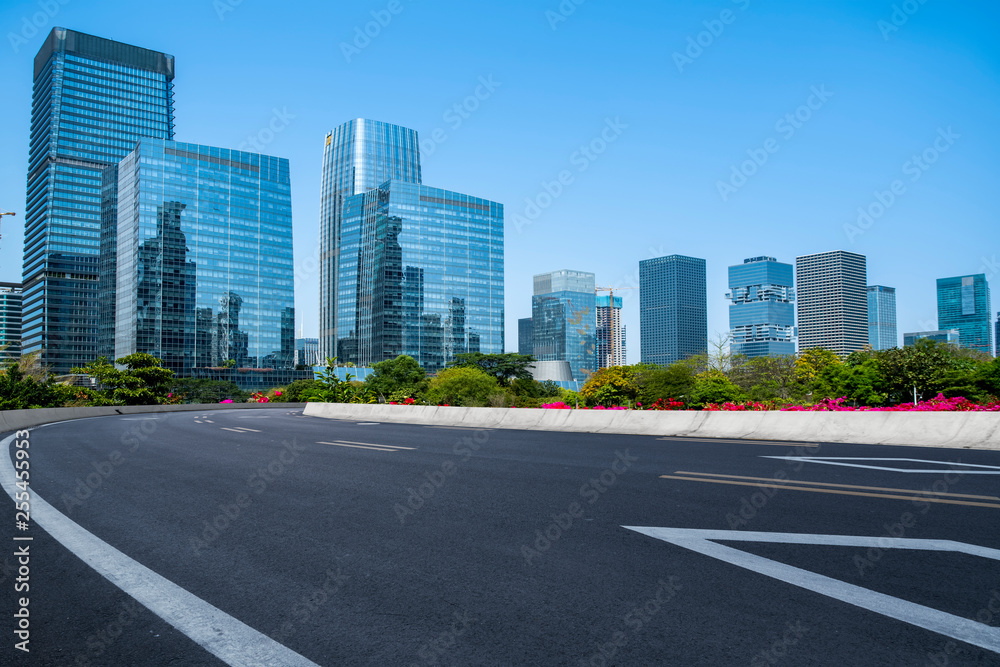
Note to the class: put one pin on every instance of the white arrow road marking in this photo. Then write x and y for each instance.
(949, 625)
(225, 637)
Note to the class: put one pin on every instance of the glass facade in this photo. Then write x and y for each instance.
(964, 303)
(882, 317)
(420, 273)
(307, 352)
(762, 308)
(204, 261)
(564, 320)
(359, 156)
(610, 333)
(10, 321)
(92, 100)
(673, 309)
(951, 337)
(831, 291)
(525, 336)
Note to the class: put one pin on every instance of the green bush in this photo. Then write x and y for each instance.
(20, 392)
(464, 386)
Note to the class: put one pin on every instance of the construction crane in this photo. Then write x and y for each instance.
(1, 219)
(611, 290)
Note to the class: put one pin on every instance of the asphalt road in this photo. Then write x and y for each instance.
(388, 544)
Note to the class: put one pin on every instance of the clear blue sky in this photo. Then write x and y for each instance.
(887, 90)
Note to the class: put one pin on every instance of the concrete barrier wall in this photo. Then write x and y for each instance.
(972, 430)
(13, 420)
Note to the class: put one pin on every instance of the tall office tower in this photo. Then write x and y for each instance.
(359, 156)
(420, 273)
(205, 276)
(964, 303)
(832, 301)
(762, 312)
(996, 337)
(610, 333)
(92, 100)
(525, 336)
(564, 319)
(307, 351)
(673, 309)
(882, 317)
(10, 321)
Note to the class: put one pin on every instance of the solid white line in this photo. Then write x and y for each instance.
(949, 625)
(373, 444)
(838, 461)
(341, 444)
(225, 637)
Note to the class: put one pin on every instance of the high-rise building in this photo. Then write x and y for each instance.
(832, 301)
(525, 336)
(673, 309)
(610, 333)
(762, 308)
(964, 303)
(996, 337)
(307, 352)
(358, 157)
(92, 100)
(882, 333)
(10, 321)
(564, 320)
(204, 259)
(951, 337)
(420, 273)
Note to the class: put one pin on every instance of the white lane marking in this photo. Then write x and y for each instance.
(960, 468)
(373, 444)
(139, 419)
(368, 423)
(343, 444)
(225, 637)
(949, 625)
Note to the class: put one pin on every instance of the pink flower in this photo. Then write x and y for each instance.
(277, 393)
(228, 400)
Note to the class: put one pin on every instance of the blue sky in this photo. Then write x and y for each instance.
(693, 89)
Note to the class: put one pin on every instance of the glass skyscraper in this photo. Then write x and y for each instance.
(610, 333)
(564, 320)
(92, 100)
(525, 336)
(204, 260)
(673, 309)
(762, 310)
(964, 303)
(882, 333)
(831, 291)
(359, 156)
(10, 321)
(421, 274)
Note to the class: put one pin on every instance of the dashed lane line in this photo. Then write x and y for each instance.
(229, 639)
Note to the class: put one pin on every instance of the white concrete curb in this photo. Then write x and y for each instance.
(965, 430)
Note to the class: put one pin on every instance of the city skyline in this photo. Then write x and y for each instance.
(521, 129)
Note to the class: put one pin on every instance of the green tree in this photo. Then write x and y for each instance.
(765, 378)
(329, 388)
(144, 381)
(397, 376)
(922, 366)
(674, 381)
(713, 386)
(503, 367)
(20, 392)
(461, 385)
(294, 392)
(611, 386)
